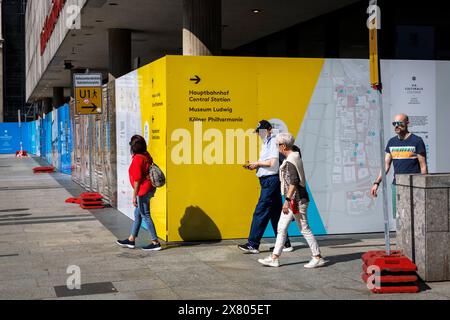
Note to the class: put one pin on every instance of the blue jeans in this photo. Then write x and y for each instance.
(269, 208)
(142, 212)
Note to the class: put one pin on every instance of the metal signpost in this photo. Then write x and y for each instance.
(374, 24)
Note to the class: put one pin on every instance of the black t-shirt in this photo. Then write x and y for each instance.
(405, 154)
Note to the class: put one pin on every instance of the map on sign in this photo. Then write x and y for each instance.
(340, 143)
(88, 93)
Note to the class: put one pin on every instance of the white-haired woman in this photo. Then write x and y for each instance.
(293, 187)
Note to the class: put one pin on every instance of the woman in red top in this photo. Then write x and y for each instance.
(143, 191)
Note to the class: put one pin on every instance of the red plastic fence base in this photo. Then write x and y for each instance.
(91, 201)
(397, 272)
(388, 279)
(396, 262)
(22, 154)
(73, 200)
(38, 170)
(88, 201)
(91, 196)
(399, 289)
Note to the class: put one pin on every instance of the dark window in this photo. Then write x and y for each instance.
(13, 23)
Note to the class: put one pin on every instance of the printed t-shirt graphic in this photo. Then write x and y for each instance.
(405, 154)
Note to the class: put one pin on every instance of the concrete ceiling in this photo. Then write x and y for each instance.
(157, 30)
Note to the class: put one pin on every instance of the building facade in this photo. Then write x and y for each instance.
(68, 36)
(13, 21)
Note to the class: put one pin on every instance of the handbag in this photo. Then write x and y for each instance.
(157, 177)
(294, 209)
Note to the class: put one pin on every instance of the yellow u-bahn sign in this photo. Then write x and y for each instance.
(374, 25)
(88, 100)
(88, 94)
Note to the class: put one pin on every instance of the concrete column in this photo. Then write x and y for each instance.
(47, 105)
(120, 62)
(58, 97)
(423, 231)
(202, 27)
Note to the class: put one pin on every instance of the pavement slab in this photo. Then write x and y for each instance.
(41, 236)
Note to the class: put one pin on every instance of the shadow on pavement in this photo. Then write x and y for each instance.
(294, 263)
(333, 260)
(423, 287)
(197, 226)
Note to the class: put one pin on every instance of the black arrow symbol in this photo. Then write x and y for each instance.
(196, 79)
(93, 107)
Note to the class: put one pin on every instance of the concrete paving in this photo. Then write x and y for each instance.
(41, 236)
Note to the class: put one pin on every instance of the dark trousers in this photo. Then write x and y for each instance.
(269, 208)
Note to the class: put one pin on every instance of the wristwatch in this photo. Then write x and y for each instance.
(377, 183)
(288, 200)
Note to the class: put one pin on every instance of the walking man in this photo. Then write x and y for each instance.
(408, 153)
(270, 202)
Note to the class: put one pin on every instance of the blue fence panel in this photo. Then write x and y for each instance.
(55, 161)
(41, 138)
(65, 139)
(9, 138)
(33, 138)
(26, 136)
(49, 138)
(47, 154)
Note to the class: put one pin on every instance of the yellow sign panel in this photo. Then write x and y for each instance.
(88, 100)
(213, 108)
(374, 57)
(199, 116)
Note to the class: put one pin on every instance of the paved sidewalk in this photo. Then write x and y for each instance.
(41, 236)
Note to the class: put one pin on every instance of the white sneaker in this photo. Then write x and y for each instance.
(285, 249)
(269, 262)
(315, 263)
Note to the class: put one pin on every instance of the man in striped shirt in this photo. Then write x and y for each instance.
(408, 153)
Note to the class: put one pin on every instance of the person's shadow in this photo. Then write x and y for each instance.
(197, 226)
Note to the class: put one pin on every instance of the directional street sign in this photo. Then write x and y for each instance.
(88, 94)
(88, 100)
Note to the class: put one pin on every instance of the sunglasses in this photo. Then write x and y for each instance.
(399, 124)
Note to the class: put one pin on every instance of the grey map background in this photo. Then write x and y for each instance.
(339, 138)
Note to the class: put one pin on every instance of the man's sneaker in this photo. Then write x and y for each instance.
(315, 263)
(248, 249)
(153, 247)
(286, 248)
(126, 244)
(270, 262)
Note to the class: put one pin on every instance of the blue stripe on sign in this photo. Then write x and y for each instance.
(315, 222)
